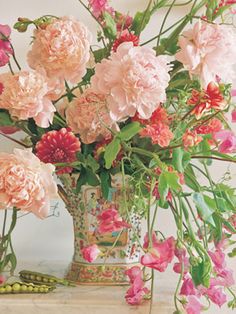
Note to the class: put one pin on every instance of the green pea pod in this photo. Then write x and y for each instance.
(22, 288)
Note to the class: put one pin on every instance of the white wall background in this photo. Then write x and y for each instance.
(52, 239)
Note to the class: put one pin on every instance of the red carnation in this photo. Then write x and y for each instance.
(125, 36)
(58, 147)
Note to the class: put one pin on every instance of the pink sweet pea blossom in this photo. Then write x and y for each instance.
(193, 306)
(183, 261)
(90, 253)
(216, 295)
(134, 80)
(26, 183)
(133, 273)
(160, 255)
(227, 141)
(5, 46)
(188, 287)
(136, 293)
(109, 220)
(202, 49)
(98, 7)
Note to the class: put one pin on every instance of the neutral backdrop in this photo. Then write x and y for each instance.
(52, 239)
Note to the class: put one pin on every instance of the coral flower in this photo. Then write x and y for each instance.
(191, 139)
(134, 80)
(5, 45)
(58, 147)
(212, 126)
(90, 253)
(125, 36)
(61, 49)
(159, 133)
(110, 221)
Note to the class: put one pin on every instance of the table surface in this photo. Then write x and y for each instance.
(90, 299)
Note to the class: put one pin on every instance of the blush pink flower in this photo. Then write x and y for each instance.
(181, 254)
(227, 141)
(90, 253)
(26, 183)
(61, 49)
(58, 147)
(88, 116)
(134, 80)
(191, 139)
(159, 255)
(26, 95)
(98, 7)
(133, 273)
(136, 293)
(215, 294)
(109, 221)
(5, 45)
(202, 49)
(193, 305)
(188, 287)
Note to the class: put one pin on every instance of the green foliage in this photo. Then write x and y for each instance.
(5, 119)
(181, 159)
(110, 26)
(205, 207)
(105, 178)
(168, 181)
(140, 21)
(111, 152)
(129, 131)
(201, 273)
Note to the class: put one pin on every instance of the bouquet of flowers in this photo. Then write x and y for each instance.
(155, 111)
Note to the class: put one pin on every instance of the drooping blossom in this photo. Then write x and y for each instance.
(193, 305)
(216, 295)
(134, 80)
(58, 147)
(125, 36)
(98, 7)
(159, 255)
(27, 95)
(136, 293)
(181, 254)
(202, 49)
(191, 139)
(88, 116)
(5, 45)
(227, 141)
(133, 273)
(90, 253)
(188, 288)
(62, 49)
(207, 99)
(26, 183)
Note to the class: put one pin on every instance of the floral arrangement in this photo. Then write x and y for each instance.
(155, 111)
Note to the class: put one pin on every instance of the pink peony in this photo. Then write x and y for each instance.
(227, 141)
(193, 306)
(202, 49)
(5, 45)
(61, 49)
(160, 255)
(90, 253)
(134, 80)
(88, 116)
(26, 95)
(26, 183)
(136, 293)
(109, 221)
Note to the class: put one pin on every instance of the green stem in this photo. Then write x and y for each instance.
(152, 290)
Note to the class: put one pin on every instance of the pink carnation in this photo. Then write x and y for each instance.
(26, 183)
(26, 95)
(208, 50)
(90, 253)
(61, 49)
(88, 116)
(5, 45)
(134, 80)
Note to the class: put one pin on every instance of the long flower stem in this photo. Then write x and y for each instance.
(152, 290)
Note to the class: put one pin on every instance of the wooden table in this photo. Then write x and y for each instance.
(89, 299)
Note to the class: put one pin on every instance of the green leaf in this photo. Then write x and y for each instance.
(190, 179)
(129, 131)
(163, 187)
(111, 152)
(82, 180)
(100, 54)
(92, 178)
(105, 183)
(181, 159)
(201, 273)
(5, 119)
(92, 163)
(140, 21)
(110, 29)
(172, 180)
(205, 210)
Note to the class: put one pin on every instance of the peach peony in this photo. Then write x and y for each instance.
(26, 183)
(26, 95)
(61, 49)
(134, 80)
(208, 50)
(88, 116)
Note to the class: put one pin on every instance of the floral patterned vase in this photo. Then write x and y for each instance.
(121, 249)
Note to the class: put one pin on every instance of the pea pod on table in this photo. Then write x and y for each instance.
(22, 287)
(38, 278)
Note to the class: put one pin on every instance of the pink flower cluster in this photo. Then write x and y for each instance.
(134, 80)
(27, 95)
(98, 7)
(5, 45)
(26, 183)
(137, 292)
(110, 220)
(88, 116)
(208, 50)
(62, 49)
